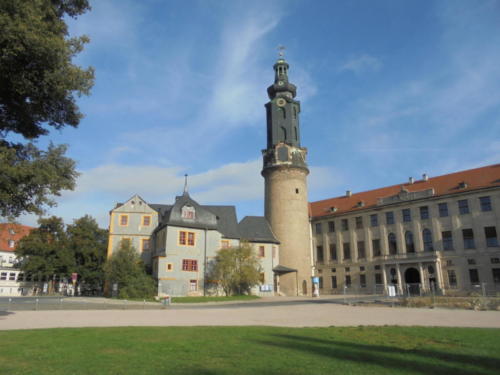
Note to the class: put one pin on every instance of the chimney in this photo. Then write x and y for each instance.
(411, 180)
(425, 177)
(348, 193)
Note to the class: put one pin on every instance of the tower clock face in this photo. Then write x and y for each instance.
(281, 83)
(280, 102)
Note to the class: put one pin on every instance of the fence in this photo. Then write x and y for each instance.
(59, 303)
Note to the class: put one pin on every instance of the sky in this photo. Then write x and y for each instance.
(389, 89)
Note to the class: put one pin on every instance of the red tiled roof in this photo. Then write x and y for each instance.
(19, 232)
(474, 179)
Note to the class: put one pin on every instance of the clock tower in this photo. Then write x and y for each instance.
(285, 172)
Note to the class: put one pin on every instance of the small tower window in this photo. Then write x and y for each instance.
(188, 212)
(296, 191)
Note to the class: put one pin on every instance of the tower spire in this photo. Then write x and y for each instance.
(185, 184)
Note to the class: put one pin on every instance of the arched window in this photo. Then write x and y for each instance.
(427, 238)
(393, 247)
(410, 245)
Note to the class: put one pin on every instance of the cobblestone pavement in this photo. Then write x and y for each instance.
(277, 311)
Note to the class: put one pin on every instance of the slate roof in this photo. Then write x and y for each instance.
(474, 179)
(256, 229)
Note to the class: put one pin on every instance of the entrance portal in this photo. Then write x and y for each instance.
(412, 280)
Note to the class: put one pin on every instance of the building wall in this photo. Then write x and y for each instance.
(135, 210)
(442, 262)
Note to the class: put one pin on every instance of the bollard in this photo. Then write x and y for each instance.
(8, 307)
(60, 303)
(144, 305)
(36, 304)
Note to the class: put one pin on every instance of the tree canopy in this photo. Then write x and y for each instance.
(39, 85)
(126, 268)
(236, 269)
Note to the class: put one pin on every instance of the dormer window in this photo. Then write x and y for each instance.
(188, 212)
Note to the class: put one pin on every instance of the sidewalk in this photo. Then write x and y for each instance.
(255, 314)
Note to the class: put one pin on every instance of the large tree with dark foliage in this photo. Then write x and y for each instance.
(38, 89)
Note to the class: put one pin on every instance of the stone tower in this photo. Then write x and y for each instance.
(285, 172)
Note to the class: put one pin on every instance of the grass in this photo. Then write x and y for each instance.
(250, 350)
(212, 299)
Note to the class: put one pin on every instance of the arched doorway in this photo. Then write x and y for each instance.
(412, 280)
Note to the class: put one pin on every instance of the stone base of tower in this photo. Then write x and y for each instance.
(286, 209)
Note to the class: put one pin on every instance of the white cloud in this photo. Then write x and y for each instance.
(361, 64)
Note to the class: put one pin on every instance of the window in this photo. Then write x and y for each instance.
(189, 265)
(190, 239)
(427, 239)
(496, 275)
(334, 270)
(468, 236)
(224, 244)
(495, 260)
(345, 224)
(374, 220)
(361, 250)
(491, 236)
(334, 282)
(376, 248)
(145, 244)
(193, 285)
(389, 218)
(362, 280)
(262, 251)
(463, 206)
(20, 276)
(318, 228)
(347, 281)
(359, 222)
(474, 276)
(406, 215)
(447, 240)
(393, 247)
(347, 250)
(377, 267)
(452, 278)
(443, 209)
(3, 276)
(449, 263)
(485, 203)
(12, 243)
(471, 262)
(169, 267)
(424, 212)
(188, 212)
(274, 251)
(410, 245)
(146, 220)
(186, 238)
(12, 276)
(378, 278)
(123, 220)
(331, 226)
(333, 251)
(347, 269)
(319, 254)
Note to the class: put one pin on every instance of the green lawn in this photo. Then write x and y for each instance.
(251, 350)
(212, 299)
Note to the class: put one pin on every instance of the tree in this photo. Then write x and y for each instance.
(44, 253)
(87, 243)
(236, 269)
(126, 268)
(38, 85)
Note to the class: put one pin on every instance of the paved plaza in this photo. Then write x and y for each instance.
(277, 311)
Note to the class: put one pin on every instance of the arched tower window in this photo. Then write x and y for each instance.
(427, 238)
(283, 133)
(410, 245)
(393, 246)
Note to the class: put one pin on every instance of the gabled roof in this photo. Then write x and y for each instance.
(453, 183)
(256, 229)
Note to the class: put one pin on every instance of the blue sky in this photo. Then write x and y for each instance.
(389, 89)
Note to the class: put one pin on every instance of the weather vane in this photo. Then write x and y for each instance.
(185, 183)
(281, 50)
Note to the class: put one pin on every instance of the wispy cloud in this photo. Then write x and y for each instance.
(361, 64)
